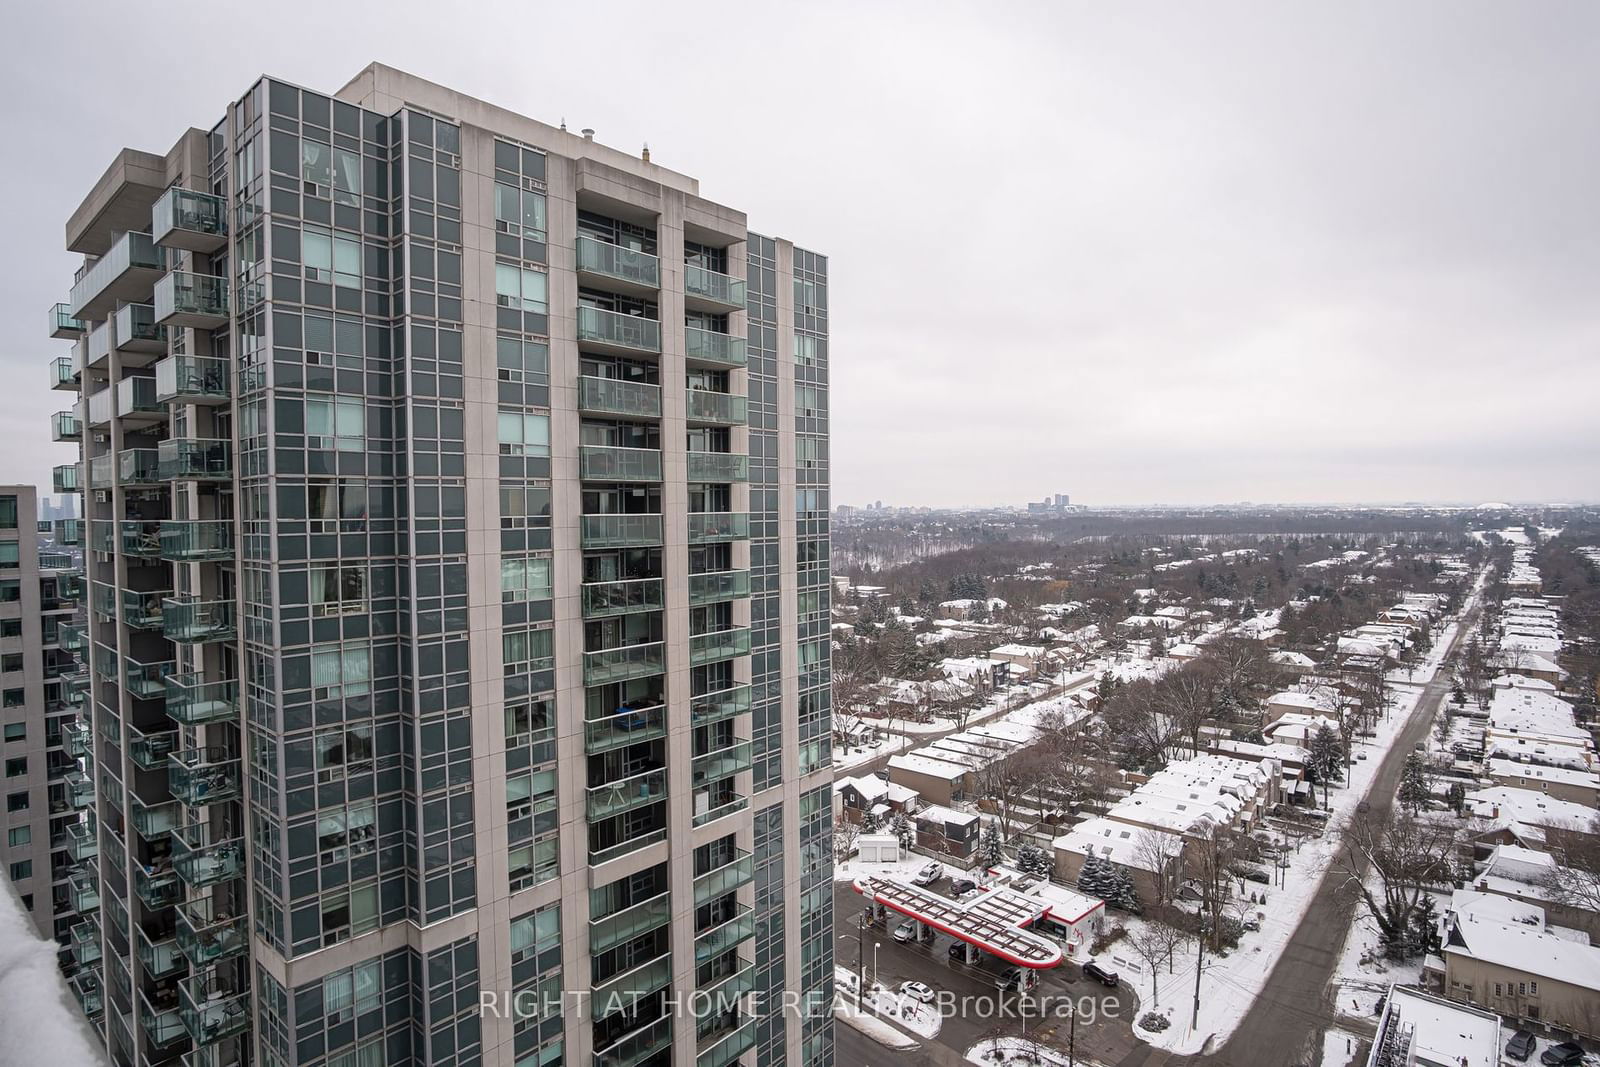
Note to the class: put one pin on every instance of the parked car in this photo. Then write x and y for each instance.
(1566, 1054)
(1009, 979)
(917, 991)
(957, 951)
(882, 776)
(1521, 1045)
(959, 886)
(1251, 925)
(906, 931)
(1091, 969)
(928, 875)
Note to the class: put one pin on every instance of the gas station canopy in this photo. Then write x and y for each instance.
(993, 920)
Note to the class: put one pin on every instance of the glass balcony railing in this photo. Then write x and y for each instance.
(103, 597)
(719, 939)
(80, 789)
(606, 463)
(83, 841)
(628, 726)
(196, 459)
(189, 219)
(620, 531)
(708, 346)
(64, 426)
(618, 263)
(738, 871)
(601, 599)
(609, 329)
(66, 478)
(719, 644)
(623, 991)
(212, 1011)
(150, 750)
(137, 330)
(721, 763)
(195, 621)
(90, 994)
(621, 664)
(96, 345)
(153, 821)
(728, 1049)
(162, 1024)
(193, 701)
(138, 466)
(616, 396)
(123, 273)
(718, 585)
(63, 375)
(197, 300)
(75, 739)
(157, 887)
(709, 286)
(100, 471)
(607, 933)
(724, 409)
(205, 935)
(100, 406)
(717, 467)
(637, 1046)
(84, 942)
(186, 541)
(83, 890)
(147, 681)
(63, 327)
(69, 636)
(142, 609)
(202, 860)
(136, 401)
(710, 808)
(202, 776)
(160, 958)
(708, 526)
(625, 794)
(137, 537)
(193, 380)
(599, 856)
(75, 686)
(729, 988)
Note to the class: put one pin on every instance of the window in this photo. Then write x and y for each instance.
(522, 434)
(337, 590)
(527, 792)
(14, 698)
(370, 1054)
(524, 579)
(329, 258)
(316, 167)
(349, 832)
(1497, 989)
(806, 450)
(13, 661)
(8, 513)
(346, 914)
(21, 870)
(17, 801)
(331, 501)
(342, 670)
(1533, 989)
(523, 721)
(341, 748)
(533, 935)
(9, 554)
(528, 650)
(524, 506)
(19, 837)
(522, 361)
(534, 863)
(10, 627)
(521, 289)
(809, 400)
(520, 212)
(806, 349)
(16, 768)
(16, 731)
(10, 591)
(346, 177)
(337, 424)
(1522, 988)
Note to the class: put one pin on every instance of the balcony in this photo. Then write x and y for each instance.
(607, 933)
(64, 426)
(708, 407)
(75, 686)
(63, 375)
(142, 609)
(629, 987)
(625, 794)
(706, 290)
(84, 943)
(613, 332)
(711, 806)
(95, 346)
(83, 841)
(637, 1046)
(202, 861)
(153, 821)
(189, 541)
(90, 994)
(189, 219)
(147, 681)
(80, 790)
(613, 267)
(723, 704)
(75, 738)
(717, 467)
(205, 936)
(98, 407)
(602, 599)
(621, 664)
(719, 939)
(194, 621)
(193, 701)
(149, 751)
(728, 1049)
(620, 531)
(139, 335)
(212, 1011)
(717, 349)
(138, 466)
(160, 958)
(157, 888)
(162, 1025)
(63, 327)
(718, 645)
(136, 403)
(737, 872)
(67, 478)
(202, 776)
(193, 380)
(83, 891)
(69, 636)
(607, 463)
(197, 300)
(615, 396)
(727, 990)
(710, 526)
(124, 274)
(598, 857)
(716, 586)
(135, 537)
(721, 763)
(627, 726)
(196, 459)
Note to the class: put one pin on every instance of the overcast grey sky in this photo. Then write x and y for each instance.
(1177, 252)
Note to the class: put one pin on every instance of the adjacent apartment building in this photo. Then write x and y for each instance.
(456, 636)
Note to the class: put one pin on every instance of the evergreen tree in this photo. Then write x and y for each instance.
(1456, 795)
(869, 823)
(901, 827)
(1325, 759)
(1427, 925)
(1034, 862)
(1416, 783)
(991, 849)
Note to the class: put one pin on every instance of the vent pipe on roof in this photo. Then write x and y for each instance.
(645, 155)
(588, 134)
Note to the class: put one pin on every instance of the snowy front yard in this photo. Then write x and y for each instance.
(882, 1005)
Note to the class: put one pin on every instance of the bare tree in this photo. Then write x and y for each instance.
(1006, 782)
(845, 835)
(1209, 859)
(1151, 942)
(1185, 697)
(1575, 878)
(1161, 855)
(1408, 854)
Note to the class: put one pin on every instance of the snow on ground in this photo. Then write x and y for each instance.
(1230, 984)
(1363, 974)
(882, 1004)
(1339, 1049)
(847, 1012)
(854, 867)
(1016, 1050)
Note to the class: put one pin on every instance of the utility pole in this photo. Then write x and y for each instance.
(861, 951)
(1072, 1037)
(1199, 965)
